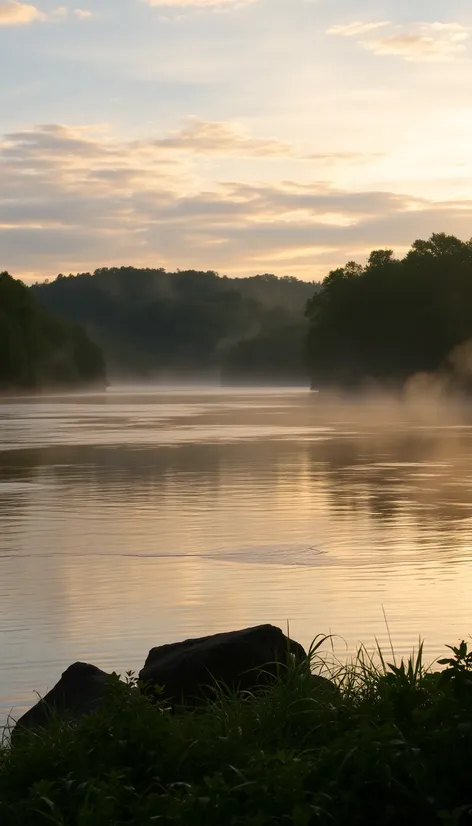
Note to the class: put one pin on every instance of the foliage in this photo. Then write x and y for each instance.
(394, 745)
(383, 322)
(393, 318)
(149, 321)
(277, 351)
(38, 350)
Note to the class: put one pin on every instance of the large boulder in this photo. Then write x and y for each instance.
(79, 691)
(239, 660)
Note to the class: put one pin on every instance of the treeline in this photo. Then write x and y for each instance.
(149, 321)
(382, 322)
(40, 351)
(394, 318)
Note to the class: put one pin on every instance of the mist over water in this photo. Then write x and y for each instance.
(144, 515)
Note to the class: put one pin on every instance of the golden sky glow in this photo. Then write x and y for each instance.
(280, 136)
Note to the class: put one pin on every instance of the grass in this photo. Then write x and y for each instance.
(392, 746)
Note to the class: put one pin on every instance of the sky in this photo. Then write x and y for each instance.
(242, 136)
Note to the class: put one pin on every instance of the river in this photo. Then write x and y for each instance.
(146, 516)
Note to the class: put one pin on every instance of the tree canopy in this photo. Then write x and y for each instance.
(383, 321)
(392, 318)
(38, 350)
(150, 320)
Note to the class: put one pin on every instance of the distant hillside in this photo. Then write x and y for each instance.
(39, 351)
(149, 321)
(403, 322)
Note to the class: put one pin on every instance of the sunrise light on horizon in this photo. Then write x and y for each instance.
(283, 136)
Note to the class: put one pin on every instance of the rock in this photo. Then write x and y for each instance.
(78, 692)
(238, 659)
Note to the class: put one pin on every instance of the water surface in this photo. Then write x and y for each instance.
(142, 517)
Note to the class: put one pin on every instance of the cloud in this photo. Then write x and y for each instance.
(436, 41)
(83, 14)
(419, 42)
(75, 198)
(199, 4)
(218, 138)
(14, 13)
(344, 157)
(61, 13)
(355, 28)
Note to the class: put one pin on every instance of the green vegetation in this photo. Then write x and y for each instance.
(394, 318)
(277, 351)
(393, 746)
(382, 322)
(38, 350)
(149, 321)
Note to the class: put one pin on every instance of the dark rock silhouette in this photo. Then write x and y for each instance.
(186, 671)
(239, 660)
(79, 691)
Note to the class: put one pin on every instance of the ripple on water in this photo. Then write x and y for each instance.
(157, 516)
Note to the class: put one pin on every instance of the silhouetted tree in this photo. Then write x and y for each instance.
(392, 318)
(38, 350)
(147, 320)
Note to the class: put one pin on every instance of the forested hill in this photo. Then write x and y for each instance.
(395, 318)
(39, 351)
(149, 321)
(385, 321)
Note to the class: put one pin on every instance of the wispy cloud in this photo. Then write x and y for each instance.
(14, 13)
(344, 157)
(356, 27)
(83, 14)
(419, 42)
(61, 13)
(434, 41)
(199, 4)
(218, 138)
(74, 198)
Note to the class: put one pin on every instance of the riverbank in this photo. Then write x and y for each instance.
(392, 745)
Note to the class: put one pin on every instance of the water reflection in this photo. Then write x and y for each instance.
(129, 521)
